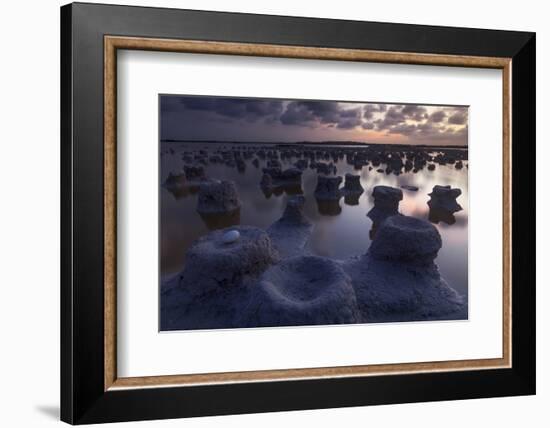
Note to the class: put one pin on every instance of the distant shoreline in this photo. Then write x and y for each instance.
(309, 143)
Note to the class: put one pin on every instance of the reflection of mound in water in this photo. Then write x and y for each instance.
(175, 180)
(288, 189)
(352, 184)
(194, 172)
(305, 290)
(214, 221)
(183, 191)
(352, 199)
(178, 192)
(180, 187)
(438, 215)
(241, 165)
(352, 190)
(276, 181)
(328, 207)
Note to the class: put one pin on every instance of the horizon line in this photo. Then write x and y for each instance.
(172, 140)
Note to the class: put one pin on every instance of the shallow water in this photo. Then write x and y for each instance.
(340, 230)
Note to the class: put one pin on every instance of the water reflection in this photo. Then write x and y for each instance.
(351, 199)
(288, 189)
(340, 229)
(215, 221)
(439, 215)
(182, 191)
(328, 207)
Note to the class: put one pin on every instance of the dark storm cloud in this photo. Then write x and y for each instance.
(393, 117)
(315, 113)
(170, 104)
(307, 113)
(350, 118)
(415, 122)
(367, 125)
(349, 123)
(352, 112)
(235, 108)
(420, 124)
(224, 118)
(265, 108)
(437, 116)
(415, 112)
(196, 103)
(326, 111)
(297, 114)
(458, 118)
(398, 115)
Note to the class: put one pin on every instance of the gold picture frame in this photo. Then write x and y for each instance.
(114, 43)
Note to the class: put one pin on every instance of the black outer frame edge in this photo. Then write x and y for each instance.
(524, 217)
(300, 31)
(83, 398)
(66, 305)
(169, 403)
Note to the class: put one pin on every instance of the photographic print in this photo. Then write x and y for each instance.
(287, 212)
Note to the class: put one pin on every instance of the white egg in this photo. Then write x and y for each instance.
(231, 236)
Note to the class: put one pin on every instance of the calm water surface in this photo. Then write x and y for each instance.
(340, 230)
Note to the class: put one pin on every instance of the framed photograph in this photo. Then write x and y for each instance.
(266, 213)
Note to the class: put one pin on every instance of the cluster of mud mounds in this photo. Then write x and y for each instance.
(244, 276)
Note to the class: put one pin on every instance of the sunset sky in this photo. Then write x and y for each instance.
(275, 120)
